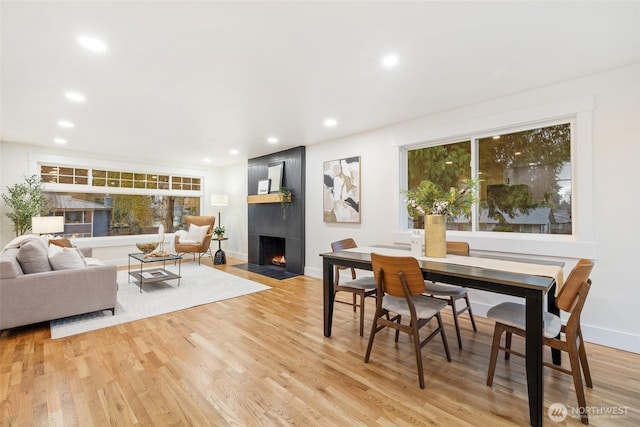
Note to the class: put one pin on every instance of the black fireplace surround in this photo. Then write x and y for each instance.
(267, 222)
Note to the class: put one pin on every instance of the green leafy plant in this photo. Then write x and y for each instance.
(26, 200)
(219, 230)
(285, 200)
(430, 199)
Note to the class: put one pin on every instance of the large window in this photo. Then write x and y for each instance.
(100, 202)
(524, 176)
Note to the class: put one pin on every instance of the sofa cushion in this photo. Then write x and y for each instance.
(65, 258)
(9, 265)
(33, 258)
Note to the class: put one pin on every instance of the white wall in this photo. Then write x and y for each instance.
(611, 315)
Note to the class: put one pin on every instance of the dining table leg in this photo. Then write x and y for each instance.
(327, 286)
(533, 352)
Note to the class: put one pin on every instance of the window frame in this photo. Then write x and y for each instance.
(577, 112)
(37, 160)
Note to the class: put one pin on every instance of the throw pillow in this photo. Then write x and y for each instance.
(197, 233)
(61, 241)
(65, 258)
(33, 258)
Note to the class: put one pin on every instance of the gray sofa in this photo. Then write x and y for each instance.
(38, 297)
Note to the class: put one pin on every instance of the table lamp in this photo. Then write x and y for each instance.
(219, 200)
(47, 224)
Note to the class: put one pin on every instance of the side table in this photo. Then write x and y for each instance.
(220, 257)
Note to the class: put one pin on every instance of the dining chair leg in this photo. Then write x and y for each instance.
(473, 322)
(398, 318)
(577, 379)
(355, 304)
(583, 361)
(362, 297)
(416, 346)
(507, 345)
(452, 302)
(374, 330)
(444, 337)
(493, 358)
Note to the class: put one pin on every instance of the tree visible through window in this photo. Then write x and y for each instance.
(525, 179)
(95, 215)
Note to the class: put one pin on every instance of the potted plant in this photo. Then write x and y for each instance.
(285, 199)
(218, 231)
(25, 200)
(436, 204)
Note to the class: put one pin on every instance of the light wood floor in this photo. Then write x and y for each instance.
(262, 359)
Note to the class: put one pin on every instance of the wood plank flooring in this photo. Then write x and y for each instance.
(262, 359)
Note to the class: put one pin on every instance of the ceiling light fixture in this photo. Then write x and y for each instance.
(92, 44)
(234, 152)
(74, 96)
(272, 140)
(59, 140)
(390, 61)
(206, 160)
(330, 123)
(65, 124)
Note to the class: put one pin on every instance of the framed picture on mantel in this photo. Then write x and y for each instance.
(341, 190)
(263, 186)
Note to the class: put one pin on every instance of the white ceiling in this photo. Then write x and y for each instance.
(182, 81)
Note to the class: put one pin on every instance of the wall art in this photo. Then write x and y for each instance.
(341, 190)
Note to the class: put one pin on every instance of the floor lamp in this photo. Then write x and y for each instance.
(219, 200)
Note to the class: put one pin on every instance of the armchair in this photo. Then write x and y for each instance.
(188, 242)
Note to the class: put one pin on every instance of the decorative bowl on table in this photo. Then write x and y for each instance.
(147, 248)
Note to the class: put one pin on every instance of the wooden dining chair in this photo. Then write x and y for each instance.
(452, 293)
(510, 318)
(400, 287)
(361, 287)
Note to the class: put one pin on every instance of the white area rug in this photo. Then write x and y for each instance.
(199, 285)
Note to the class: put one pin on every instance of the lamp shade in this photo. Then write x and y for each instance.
(47, 224)
(219, 200)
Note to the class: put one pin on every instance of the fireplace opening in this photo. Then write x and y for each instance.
(272, 251)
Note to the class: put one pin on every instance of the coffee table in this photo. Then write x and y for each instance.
(153, 275)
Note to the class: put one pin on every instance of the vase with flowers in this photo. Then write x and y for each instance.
(436, 204)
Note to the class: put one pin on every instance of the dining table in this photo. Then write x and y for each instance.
(525, 278)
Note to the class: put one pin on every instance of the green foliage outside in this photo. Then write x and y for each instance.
(26, 200)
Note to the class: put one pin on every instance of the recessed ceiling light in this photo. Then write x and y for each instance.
(59, 140)
(390, 61)
(330, 123)
(206, 160)
(272, 140)
(65, 124)
(234, 152)
(74, 96)
(92, 44)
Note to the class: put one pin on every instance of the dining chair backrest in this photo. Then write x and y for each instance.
(343, 244)
(568, 295)
(458, 248)
(387, 270)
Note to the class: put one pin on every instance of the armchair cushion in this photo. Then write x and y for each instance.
(196, 233)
